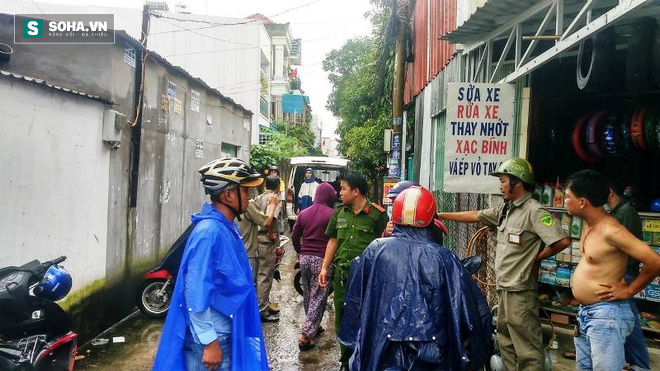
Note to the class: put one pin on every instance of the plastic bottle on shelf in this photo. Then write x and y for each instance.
(576, 227)
(538, 193)
(558, 199)
(548, 193)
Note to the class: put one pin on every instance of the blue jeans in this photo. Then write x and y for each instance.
(637, 355)
(193, 352)
(604, 327)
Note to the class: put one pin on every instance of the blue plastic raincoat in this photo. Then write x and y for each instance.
(410, 305)
(221, 267)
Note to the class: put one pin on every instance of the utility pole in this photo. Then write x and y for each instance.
(395, 160)
(136, 140)
(138, 95)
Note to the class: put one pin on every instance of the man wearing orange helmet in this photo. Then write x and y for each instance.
(410, 303)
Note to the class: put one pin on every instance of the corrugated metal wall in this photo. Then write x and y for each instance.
(431, 54)
(451, 73)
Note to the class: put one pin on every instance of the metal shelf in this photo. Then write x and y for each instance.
(643, 215)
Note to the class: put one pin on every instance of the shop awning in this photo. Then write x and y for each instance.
(567, 22)
(493, 14)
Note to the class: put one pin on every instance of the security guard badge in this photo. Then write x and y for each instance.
(514, 239)
(547, 220)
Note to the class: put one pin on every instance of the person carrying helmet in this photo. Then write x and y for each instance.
(420, 312)
(213, 322)
(524, 227)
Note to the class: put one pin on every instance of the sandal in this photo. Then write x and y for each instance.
(569, 355)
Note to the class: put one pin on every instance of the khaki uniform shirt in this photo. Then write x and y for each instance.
(521, 233)
(263, 203)
(250, 222)
(355, 231)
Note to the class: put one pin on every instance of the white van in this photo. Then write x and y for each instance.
(326, 169)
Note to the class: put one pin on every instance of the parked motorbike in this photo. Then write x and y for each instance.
(297, 280)
(155, 293)
(279, 253)
(35, 333)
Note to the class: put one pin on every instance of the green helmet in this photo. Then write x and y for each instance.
(518, 167)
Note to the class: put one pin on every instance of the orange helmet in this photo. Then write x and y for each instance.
(415, 206)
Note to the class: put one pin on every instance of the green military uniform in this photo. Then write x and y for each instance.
(627, 215)
(523, 226)
(353, 233)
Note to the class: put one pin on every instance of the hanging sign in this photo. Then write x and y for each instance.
(478, 135)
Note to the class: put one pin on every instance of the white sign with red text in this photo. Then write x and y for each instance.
(478, 135)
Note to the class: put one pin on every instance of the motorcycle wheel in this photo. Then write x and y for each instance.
(148, 300)
(297, 282)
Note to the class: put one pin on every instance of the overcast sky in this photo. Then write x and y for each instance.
(322, 25)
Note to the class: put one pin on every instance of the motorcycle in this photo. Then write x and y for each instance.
(155, 293)
(35, 333)
(279, 253)
(297, 280)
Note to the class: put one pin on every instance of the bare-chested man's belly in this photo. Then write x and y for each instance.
(588, 276)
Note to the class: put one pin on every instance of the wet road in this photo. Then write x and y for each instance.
(141, 335)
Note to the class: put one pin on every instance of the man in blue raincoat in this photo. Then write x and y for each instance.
(213, 322)
(410, 304)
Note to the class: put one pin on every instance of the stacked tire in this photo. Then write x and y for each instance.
(604, 134)
(642, 66)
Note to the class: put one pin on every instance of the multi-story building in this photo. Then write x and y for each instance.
(247, 59)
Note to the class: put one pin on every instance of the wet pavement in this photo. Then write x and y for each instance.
(141, 335)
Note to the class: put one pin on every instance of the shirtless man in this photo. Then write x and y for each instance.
(605, 317)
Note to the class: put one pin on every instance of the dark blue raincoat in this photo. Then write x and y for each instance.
(215, 256)
(410, 305)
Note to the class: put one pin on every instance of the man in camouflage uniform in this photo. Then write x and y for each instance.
(352, 227)
(523, 227)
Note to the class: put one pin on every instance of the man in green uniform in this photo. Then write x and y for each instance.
(352, 227)
(636, 352)
(523, 226)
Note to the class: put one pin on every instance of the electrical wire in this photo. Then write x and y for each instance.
(211, 51)
(37, 5)
(216, 24)
(145, 53)
(209, 36)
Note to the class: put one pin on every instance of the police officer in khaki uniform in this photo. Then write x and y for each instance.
(523, 228)
(352, 227)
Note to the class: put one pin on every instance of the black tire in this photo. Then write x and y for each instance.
(656, 57)
(297, 283)
(639, 58)
(594, 61)
(148, 302)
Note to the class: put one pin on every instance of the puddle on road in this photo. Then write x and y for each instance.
(142, 334)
